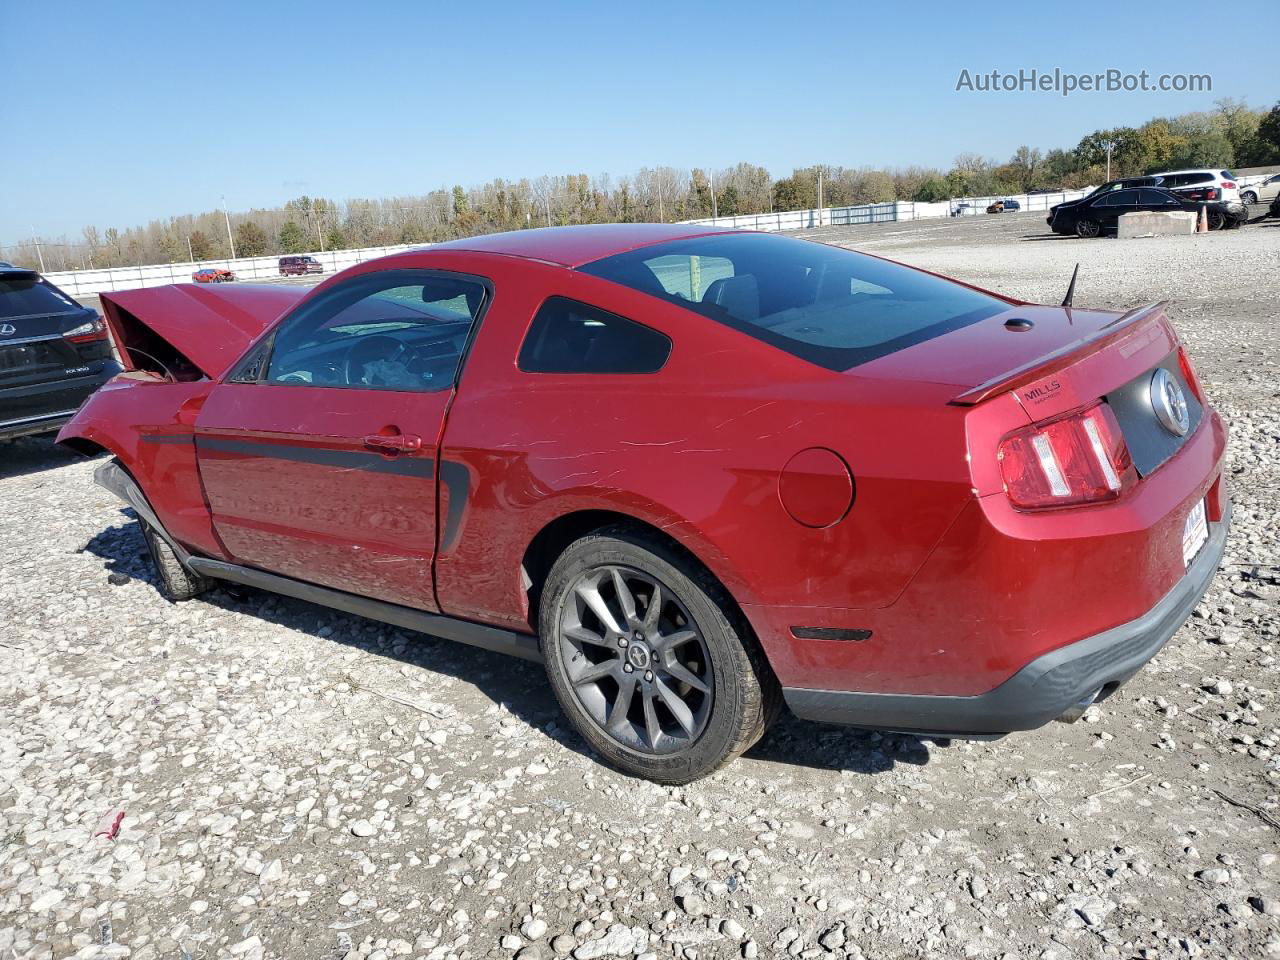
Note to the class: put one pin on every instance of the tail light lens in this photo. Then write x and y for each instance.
(1080, 458)
(95, 329)
(1228, 184)
(1189, 374)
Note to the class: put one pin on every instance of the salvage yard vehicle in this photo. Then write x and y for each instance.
(1264, 192)
(53, 354)
(298, 266)
(1100, 213)
(699, 474)
(212, 275)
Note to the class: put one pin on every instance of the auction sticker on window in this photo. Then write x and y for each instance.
(1194, 533)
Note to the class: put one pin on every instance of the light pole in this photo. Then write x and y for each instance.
(715, 208)
(190, 253)
(819, 194)
(227, 219)
(39, 253)
(1109, 144)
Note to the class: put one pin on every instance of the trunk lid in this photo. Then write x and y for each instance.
(186, 331)
(1053, 359)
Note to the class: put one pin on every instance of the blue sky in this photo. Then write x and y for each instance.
(119, 113)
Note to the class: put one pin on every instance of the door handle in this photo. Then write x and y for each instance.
(395, 443)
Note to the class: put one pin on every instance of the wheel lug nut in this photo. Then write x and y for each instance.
(627, 667)
(622, 641)
(648, 674)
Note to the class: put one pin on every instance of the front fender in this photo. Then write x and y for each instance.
(146, 424)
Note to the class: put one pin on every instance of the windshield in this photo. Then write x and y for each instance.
(824, 304)
(28, 295)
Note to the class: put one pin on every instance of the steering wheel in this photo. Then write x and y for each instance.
(378, 347)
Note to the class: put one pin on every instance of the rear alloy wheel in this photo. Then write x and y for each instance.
(1088, 229)
(650, 660)
(1249, 197)
(1216, 219)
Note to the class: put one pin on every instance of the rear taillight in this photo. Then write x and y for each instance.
(95, 329)
(1080, 458)
(1189, 374)
(1228, 185)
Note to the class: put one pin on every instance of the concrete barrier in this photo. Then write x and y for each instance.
(1154, 224)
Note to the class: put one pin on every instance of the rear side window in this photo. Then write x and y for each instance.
(824, 304)
(571, 337)
(1156, 198)
(28, 295)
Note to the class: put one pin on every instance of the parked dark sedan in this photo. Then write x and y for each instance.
(1099, 212)
(53, 354)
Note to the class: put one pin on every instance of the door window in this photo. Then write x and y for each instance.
(401, 330)
(1157, 198)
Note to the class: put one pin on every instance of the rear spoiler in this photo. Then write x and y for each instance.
(1065, 355)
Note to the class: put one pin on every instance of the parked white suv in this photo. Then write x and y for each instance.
(1200, 184)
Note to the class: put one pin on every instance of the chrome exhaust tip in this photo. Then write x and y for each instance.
(1076, 710)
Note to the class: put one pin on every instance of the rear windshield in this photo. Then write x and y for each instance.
(27, 295)
(830, 306)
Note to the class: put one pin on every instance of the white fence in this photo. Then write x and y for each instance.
(885, 212)
(81, 282)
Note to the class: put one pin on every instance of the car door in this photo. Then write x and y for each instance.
(318, 452)
(1115, 204)
(1158, 201)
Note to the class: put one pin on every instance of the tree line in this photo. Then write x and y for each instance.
(1232, 134)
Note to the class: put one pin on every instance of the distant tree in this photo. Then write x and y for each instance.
(460, 205)
(291, 238)
(251, 239)
(796, 192)
(873, 186)
(932, 190)
(201, 245)
(1265, 146)
(727, 201)
(1026, 163)
(336, 239)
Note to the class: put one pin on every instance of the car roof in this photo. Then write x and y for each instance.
(574, 246)
(1169, 173)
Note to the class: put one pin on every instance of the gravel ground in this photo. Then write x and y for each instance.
(286, 781)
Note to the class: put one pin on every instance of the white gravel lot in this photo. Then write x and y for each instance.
(299, 783)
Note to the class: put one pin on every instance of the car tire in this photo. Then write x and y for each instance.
(1088, 229)
(177, 583)
(1248, 197)
(1217, 219)
(653, 736)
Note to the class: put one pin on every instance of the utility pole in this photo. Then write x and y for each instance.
(227, 218)
(190, 253)
(1109, 144)
(819, 194)
(39, 253)
(715, 209)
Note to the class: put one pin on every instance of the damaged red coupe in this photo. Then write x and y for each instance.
(698, 474)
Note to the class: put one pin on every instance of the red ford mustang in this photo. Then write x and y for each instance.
(699, 474)
(212, 275)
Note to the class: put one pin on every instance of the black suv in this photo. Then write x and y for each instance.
(53, 354)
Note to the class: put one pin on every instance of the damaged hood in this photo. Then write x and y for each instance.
(209, 327)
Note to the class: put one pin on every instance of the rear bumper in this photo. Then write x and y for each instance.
(1040, 691)
(44, 407)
